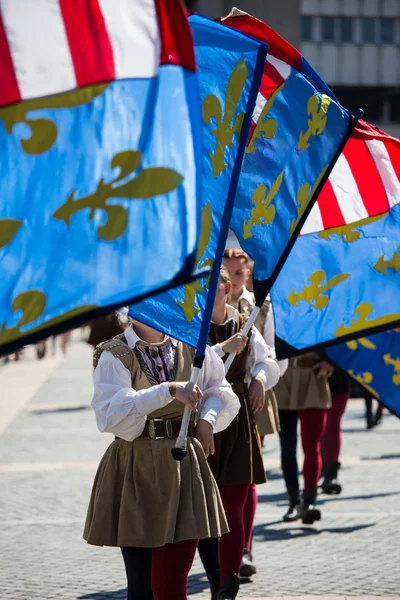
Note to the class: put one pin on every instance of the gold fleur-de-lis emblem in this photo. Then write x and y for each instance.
(304, 198)
(383, 264)
(227, 124)
(147, 183)
(395, 363)
(364, 342)
(263, 212)
(365, 378)
(197, 287)
(8, 229)
(314, 294)
(349, 233)
(317, 109)
(32, 305)
(360, 322)
(44, 130)
(265, 128)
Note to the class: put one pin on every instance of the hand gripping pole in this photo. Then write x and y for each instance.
(180, 450)
(245, 332)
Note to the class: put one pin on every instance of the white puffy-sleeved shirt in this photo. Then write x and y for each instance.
(123, 411)
(261, 360)
(268, 334)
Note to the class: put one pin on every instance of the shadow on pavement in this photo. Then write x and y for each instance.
(117, 595)
(265, 533)
(322, 498)
(383, 456)
(272, 497)
(273, 475)
(45, 411)
(197, 583)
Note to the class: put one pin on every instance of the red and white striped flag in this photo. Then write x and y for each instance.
(365, 181)
(52, 46)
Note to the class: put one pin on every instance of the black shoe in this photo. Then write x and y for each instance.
(293, 512)
(229, 588)
(330, 484)
(310, 514)
(247, 568)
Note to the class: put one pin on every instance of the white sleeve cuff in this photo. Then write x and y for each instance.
(210, 416)
(218, 350)
(260, 372)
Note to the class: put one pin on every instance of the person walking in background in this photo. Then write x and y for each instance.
(237, 462)
(303, 393)
(105, 328)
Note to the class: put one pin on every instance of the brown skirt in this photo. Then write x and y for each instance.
(300, 389)
(238, 457)
(142, 497)
(268, 418)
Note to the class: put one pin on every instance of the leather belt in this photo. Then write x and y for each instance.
(159, 429)
(303, 363)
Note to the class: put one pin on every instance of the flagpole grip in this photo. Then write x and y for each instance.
(245, 332)
(180, 450)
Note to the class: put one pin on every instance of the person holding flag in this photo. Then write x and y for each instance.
(237, 461)
(150, 505)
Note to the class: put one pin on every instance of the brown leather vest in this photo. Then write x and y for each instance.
(120, 349)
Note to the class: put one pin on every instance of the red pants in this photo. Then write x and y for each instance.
(312, 425)
(332, 439)
(231, 545)
(159, 573)
(170, 570)
(249, 515)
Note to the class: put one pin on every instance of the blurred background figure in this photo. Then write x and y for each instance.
(105, 328)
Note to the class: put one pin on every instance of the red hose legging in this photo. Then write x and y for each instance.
(170, 569)
(332, 439)
(312, 425)
(231, 545)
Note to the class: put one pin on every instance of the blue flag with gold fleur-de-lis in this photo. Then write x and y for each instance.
(230, 67)
(100, 161)
(299, 127)
(342, 278)
(374, 362)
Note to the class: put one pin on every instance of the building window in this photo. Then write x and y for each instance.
(307, 23)
(368, 31)
(346, 29)
(328, 29)
(386, 31)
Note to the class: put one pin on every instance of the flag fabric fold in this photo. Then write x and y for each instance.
(374, 362)
(100, 138)
(230, 68)
(342, 278)
(298, 131)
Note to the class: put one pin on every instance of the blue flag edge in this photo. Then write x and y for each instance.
(342, 370)
(228, 209)
(263, 287)
(285, 350)
(186, 275)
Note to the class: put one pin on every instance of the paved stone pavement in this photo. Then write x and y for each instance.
(48, 457)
